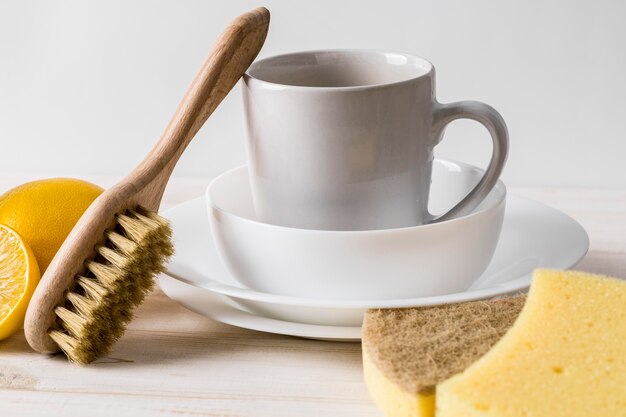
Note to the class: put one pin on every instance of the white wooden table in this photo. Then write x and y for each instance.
(174, 362)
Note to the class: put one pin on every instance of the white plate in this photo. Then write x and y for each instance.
(211, 305)
(533, 235)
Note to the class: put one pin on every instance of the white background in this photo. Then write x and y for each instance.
(86, 86)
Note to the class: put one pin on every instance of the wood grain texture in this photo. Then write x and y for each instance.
(233, 52)
(172, 362)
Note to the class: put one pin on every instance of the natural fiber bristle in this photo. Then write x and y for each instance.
(102, 301)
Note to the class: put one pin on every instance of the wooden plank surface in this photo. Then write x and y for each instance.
(172, 362)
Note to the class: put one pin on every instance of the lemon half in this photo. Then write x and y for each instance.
(19, 275)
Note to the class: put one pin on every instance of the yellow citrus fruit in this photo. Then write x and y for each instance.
(44, 212)
(19, 275)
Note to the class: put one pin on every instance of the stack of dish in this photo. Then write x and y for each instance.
(233, 268)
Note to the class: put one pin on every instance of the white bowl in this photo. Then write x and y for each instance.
(418, 261)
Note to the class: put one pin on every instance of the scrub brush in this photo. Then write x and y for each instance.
(106, 265)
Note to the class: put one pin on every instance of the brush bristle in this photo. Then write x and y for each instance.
(103, 300)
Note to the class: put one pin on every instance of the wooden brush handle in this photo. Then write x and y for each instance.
(232, 54)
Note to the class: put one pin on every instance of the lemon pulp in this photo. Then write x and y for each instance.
(19, 275)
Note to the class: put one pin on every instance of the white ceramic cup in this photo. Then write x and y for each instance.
(343, 139)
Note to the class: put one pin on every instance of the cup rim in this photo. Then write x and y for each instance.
(249, 77)
(499, 186)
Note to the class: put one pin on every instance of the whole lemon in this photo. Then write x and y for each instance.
(44, 212)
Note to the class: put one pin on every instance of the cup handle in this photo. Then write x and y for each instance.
(491, 119)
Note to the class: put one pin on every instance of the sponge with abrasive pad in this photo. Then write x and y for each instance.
(407, 352)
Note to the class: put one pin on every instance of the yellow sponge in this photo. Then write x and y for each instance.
(565, 356)
(407, 352)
